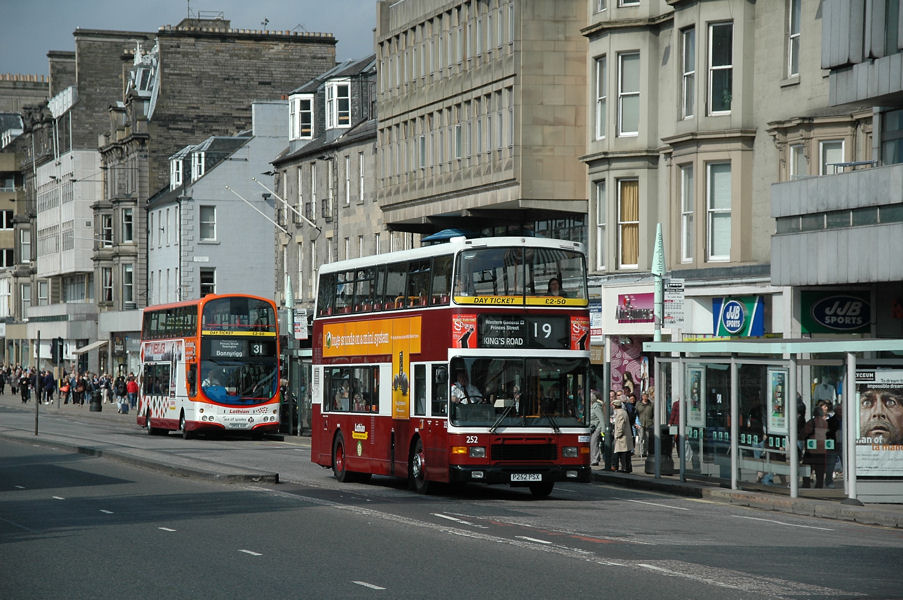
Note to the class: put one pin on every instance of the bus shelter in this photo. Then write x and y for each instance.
(741, 406)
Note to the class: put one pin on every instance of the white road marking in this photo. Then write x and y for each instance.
(368, 585)
(20, 487)
(166, 529)
(529, 539)
(783, 523)
(655, 504)
(450, 518)
(251, 552)
(106, 512)
(57, 497)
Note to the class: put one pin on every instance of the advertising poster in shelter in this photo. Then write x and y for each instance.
(695, 396)
(879, 423)
(777, 401)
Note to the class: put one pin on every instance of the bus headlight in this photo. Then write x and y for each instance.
(477, 452)
(570, 452)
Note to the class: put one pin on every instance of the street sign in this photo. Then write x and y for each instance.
(300, 324)
(674, 303)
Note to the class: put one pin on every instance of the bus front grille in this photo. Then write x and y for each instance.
(524, 452)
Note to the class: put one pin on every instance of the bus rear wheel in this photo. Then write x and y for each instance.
(417, 469)
(147, 425)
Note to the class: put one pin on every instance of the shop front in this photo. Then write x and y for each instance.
(773, 413)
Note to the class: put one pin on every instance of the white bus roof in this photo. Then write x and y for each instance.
(453, 246)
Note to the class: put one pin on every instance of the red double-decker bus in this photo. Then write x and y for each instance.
(466, 361)
(210, 365)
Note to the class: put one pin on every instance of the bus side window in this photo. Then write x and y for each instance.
(441, 276)
(440, 390)
(420, 390)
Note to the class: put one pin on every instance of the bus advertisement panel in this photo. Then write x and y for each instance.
(210, 365)
(461, 362)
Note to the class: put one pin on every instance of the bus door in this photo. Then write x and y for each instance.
(429, 405)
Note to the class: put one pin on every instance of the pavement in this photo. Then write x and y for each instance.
(143, 452)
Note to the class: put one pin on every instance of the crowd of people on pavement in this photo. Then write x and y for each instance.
(70, 388)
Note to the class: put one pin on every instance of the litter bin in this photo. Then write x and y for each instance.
(667, 467)
(96, 404)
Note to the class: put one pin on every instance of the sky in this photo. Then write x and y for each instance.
(31, 28)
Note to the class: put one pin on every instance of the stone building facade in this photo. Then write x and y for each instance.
(482, 115)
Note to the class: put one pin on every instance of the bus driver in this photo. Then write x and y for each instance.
(462, 391)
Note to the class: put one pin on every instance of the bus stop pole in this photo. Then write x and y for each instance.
(735, 425)
(656, 418)
(37, 396)
(850, 412)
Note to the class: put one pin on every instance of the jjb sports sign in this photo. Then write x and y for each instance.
(741, 316)
(836, 311)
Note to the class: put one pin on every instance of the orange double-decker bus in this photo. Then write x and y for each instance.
(466, 361)
(210, 365)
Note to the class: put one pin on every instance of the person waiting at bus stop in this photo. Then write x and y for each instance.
(464, 392)
(623, 433)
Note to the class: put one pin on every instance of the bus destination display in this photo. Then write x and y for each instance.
(508, 331)
(238, 349)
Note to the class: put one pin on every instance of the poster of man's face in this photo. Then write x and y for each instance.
(881, 415)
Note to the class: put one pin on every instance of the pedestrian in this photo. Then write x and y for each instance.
(623, 434)
(813, 436)
(25, 387)
(674, 424)
(49, 387)
(131, 388)
(596, 421)
(644, 416)
(64, 388)
(2, 380)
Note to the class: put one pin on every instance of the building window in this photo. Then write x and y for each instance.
(601, 96)
(208, 281)
(43, 293)
(830, 156)
(208, 223)
(175, 172)
(106, 230)
(628, 94)
(128, 286)
(4, 298)
(721, 36)
(25, 245)
(360, 176)
(197, 165)
(301, 117)
(688, 77)
(601, 213)
(687, 202)
(338, 104)
(299, 281)
(628, 2)
(106, 284)
(793, 37)
(347, 180)
(892, 137)
(25, 297)
(128, 226)
(312, 213)
(7, 258)
(6, 220)
(600, 5)
(628, 223)
(376, 243)
(799, 164)
(718, 211)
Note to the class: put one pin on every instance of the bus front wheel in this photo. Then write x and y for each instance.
(147, 425)
(339, 468)
(417, 469)
(542, 490)
(186, 435)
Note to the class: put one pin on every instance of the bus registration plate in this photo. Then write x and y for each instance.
(526, 477)
(237, 422)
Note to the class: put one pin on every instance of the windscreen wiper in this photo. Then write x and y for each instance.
(500, 418)
(554, 423)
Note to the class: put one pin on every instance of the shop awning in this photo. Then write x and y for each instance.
(89, 347)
